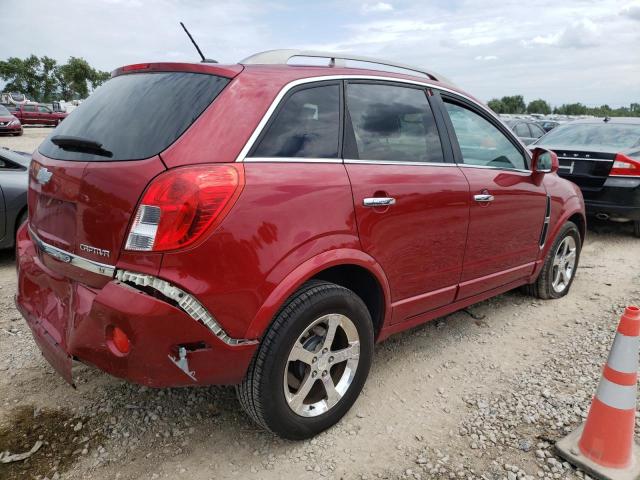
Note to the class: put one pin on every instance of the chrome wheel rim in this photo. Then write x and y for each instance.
(321, 365)
(564, 264)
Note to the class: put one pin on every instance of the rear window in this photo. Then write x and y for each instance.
(138, 115)
(615, 136)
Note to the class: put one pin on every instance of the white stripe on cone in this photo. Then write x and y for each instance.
(622, 397)
(624, 354)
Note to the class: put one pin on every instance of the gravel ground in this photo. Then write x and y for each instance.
(483, 393)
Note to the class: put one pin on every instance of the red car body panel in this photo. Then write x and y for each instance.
(433, 252)
(5, 126)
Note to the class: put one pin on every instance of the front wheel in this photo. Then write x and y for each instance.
(312, 363)
(560, 266)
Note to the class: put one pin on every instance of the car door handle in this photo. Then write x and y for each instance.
(483, 197)
(378, 201)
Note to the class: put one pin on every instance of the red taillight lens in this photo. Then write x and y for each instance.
(182, 204)
(625, 166)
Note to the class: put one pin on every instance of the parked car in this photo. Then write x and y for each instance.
(9, 123)
(13, 194)
(269, 224)
(602, 156)
(36, 114)
(527, 132)
(548, 125)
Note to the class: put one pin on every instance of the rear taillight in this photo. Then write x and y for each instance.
(625, 166)
(180, 205)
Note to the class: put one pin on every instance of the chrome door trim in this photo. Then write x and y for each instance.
(291, 160)
(489, 167)
(71, 258)
(484, 197)
(392, 162)
(378, 201)
(324, 78)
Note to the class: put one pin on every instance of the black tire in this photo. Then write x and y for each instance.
(261, 393)
(543, 286)
(636, 228)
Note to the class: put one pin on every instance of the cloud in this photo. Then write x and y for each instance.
(581, 34)
(377, 7)
(486, 58)
(632, 12)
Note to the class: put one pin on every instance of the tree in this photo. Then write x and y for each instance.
(571, 109)
(539, 106)
(514, 104)
(42, 80)
(496, 105)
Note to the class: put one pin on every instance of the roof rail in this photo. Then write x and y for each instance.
(282, 57)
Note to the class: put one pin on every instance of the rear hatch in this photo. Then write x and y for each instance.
(87, 176)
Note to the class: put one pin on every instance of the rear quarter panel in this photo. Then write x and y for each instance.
(287, 214)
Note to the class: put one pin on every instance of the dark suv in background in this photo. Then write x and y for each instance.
(602, 156)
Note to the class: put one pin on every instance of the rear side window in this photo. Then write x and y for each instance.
(29, 108)
(138, 115)
(306, 126)
(393, 123)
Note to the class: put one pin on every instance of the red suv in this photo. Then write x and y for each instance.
(264, 224)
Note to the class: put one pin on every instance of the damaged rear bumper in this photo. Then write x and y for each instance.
(70, 320)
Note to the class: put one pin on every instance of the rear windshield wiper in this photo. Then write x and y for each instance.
(79, 144)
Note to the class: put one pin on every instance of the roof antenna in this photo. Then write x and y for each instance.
(204, 60)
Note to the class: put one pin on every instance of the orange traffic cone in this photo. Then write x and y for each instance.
(604, 446)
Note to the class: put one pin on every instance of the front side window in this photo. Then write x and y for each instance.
(482, 143)
(393, 123)
(44, 109)
(306, 126)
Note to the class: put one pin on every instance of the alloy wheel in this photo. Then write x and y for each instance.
(564, 264)
(321, 365)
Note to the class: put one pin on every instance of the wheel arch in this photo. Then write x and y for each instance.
(349, 268)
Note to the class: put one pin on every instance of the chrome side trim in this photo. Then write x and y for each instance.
(291, 160)
(427, 84)
(71, 258)
(187, 303)
(391, 162)
(489, 167)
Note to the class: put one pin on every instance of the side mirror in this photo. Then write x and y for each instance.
(544, 161)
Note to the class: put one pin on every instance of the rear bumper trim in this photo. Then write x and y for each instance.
(71, 258)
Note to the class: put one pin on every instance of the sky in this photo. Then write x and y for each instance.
(563, 51)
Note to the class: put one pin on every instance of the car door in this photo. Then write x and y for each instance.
(411, 200)
(508, 203)
(45, 115)
(30, 114)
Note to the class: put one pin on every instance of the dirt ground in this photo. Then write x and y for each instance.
(482, 393)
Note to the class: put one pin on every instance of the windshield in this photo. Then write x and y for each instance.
(4, 112)
(136, 116)
(601, 135)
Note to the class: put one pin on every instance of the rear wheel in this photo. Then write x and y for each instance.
(560, 266)
(312, 363)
